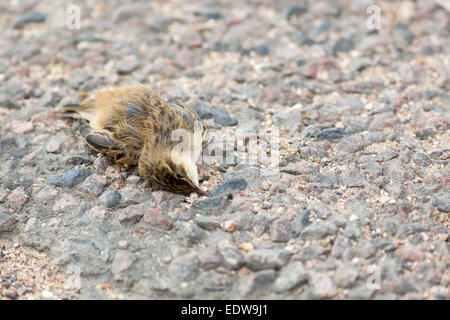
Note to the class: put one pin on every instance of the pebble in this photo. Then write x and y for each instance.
(220, 118)
(351, 143)
(94, 184)
(123, 260)
(346, 276)
(110, 198)
(318, 230)
(260, 259)
(332, 134)
(18, 198)
(322, 287)
(65, 201)
(55, 143)
(127, 66)
(184, 268)
(7, 220)
(27, 18)
(232, 186)
(281, 230)
(232, 256)
(69, 178)
(442, 200)
(158, 218)
(291, 276)
(256, 283)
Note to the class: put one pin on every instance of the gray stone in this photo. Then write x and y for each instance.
(27, 18)
(290, 277)
(332, 134)
(442, 200)
(127, 66)
(206, 223)
(322, 287)
(69, 178)
(184, 268)
(123, 260)
(231, 255)
(256, 283)
(318, 230)
(260, 259)
(346, 276)
(402, 36)
(110, 198)
(232, 186)
(220, 117)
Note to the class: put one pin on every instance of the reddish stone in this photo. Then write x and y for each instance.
(65, 201)
(135, 212)
(29, 158)
(22, 127)
(18, 198)
(156, 217)
(281, 230)
(55, 143)
(46, 118)
(94, 184)
(311, 69)
(46, 194)
(409, 253)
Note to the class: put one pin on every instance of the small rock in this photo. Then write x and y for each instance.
(47, 193)
(156, 217)
(232, 186)
(184, 268)
(357, 66)
(332, 134)
(27, 18)
(295, 10)
(188, 233)
(322, 287)
(256, 283)
(209, 258)
(442, 200)
(65, 201)
(319, 230)
(94, 184)
(18, 198)
(69, 178)
(110, 198)
(422, 159)
(290, 277)
(346, 276)
(402, 36)
(260, 259)
(7, 221)
(220, 118)
(21, 127)
(289, 119)
(351, 143)
(127, 66)
(281, 230)
(231, 255)
(55, 143)
(342, 45)
(122, 261)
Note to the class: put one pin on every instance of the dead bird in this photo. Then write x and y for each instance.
(135, 126)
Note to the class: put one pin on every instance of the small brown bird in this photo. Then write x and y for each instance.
(135, 126)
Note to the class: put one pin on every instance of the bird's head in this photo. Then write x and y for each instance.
(174, 173)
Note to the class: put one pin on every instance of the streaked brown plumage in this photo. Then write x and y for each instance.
(134, 125)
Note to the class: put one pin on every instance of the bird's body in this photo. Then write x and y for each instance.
(135, 126)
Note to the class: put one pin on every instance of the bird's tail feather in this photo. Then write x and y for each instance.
(76, 111)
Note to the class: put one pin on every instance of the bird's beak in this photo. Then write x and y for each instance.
(200, 191)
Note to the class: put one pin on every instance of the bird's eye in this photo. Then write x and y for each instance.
(179, 176)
